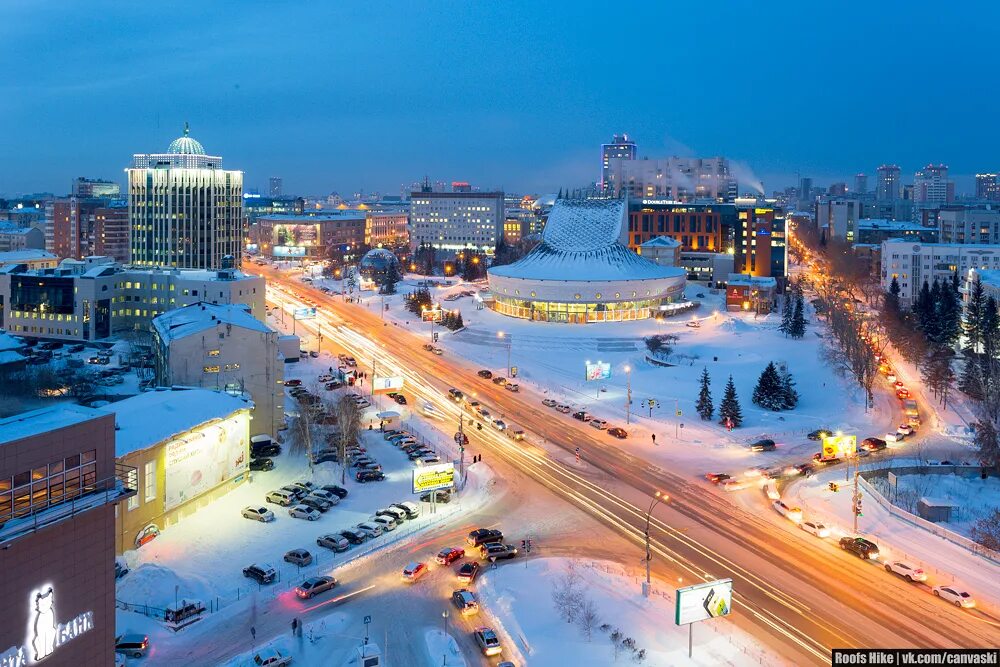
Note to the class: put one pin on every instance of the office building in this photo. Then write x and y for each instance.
(223, 348)
(59, 484)
(837, 189)
(95, 299)
(388, 228)
(705, 227)
(274, 186)
(186, 211)
(674, 178)
(988, 187)
(455, 221)
(750, 293)
(860, 184)
(931, 186)
(111, 232)
(187, 446)
(707, 266)
(311, 236)
(582, 271)
(85, 188)
(620, 148)
(805, 193)
(839, 217)
(965, 224)
(911, 264)
(889, 186)
(759, 244)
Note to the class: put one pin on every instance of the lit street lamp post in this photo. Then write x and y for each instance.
(628, 393)
(502, 335)
(658, 497)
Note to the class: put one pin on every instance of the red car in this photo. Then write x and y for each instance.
(717, 477)
(618, 432)
(449, 555)
(293, 383)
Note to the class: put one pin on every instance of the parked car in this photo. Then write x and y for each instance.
(599, 424)
(317, 504)
(549, 403)
(412, 509)
(465, 601)
(485, 374)
(860, 547)
(353, 535)
(815, 528)
(414, 571)
(271, 657)
(563, 408)
(371, 530)
(764, 445)
(582, 415)
(468, 571)
(338, 491)
(258, 514)
(333, 541)
(500, 380)
(488, 641)
(618, 432)
(303, 512)
(484, 536)
(300, 557)
(441, 496)
(262, 573)
(820, 433)
(387, 523)
(324, 456)
(790, 513)
(512, 386)
(956, 596)
(369, 476)
(905, 570)
(314, 586)
(262, 464)
(134, 645)
(449, 555)
(399, 515)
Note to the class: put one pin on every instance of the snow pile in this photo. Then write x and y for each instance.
(156, 586)
(445, 646)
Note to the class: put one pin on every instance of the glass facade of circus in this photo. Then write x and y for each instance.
(582, 311)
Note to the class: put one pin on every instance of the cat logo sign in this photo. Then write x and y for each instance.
(838, 447)
(45, 633)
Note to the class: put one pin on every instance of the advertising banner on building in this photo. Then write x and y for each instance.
(205, 458)
(703, 601)
(839, 447)
(429, 478)
(288, 251)
(600, 370)
(394, 383)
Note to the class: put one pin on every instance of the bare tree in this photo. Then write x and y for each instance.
(986, 531)
(588, 618)
(567, 595)
(349, 424)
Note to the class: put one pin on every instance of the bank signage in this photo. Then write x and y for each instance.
(46, 635)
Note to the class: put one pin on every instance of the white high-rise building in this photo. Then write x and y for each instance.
(931, 185)
(912, 264)
(674, 178)
(185, 210)
(620, 148)
(456, 221)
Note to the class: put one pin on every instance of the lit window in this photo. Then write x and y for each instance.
(211, 369)
(213, 353)
(149, 481)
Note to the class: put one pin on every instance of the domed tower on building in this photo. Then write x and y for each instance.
(185, 210)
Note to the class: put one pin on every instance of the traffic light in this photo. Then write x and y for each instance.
(857, 506)
(524, 544)
(529, 545)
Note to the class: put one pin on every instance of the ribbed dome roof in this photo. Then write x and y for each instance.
(186, 145)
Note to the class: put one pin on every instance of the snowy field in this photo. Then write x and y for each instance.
(533, 633)
(973, 497)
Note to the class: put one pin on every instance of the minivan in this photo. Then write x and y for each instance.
(280, 497)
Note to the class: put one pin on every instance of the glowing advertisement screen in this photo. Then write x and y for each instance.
(703, 601)
(288, 251)
(429, 478)
(204, 459)
(598, 371)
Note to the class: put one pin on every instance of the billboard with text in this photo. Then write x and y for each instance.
(394, 383)
(600, 370)
(205, 458)
(703, 601)
(437, 476)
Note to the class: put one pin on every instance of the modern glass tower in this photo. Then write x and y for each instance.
(185, 210)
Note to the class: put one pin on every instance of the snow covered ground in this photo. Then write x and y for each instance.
(532, 632)
(973, 497)
(945, 562)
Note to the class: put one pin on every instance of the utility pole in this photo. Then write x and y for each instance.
(856, 510)
(628, 393)
(657, 499)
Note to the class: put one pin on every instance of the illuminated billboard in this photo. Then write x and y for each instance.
(295, 235)
(431, 314)
(288, 251)
(205, 458)
(703, 601)
(598, 371)
(437, 476)
(387, 383)
(839, 447)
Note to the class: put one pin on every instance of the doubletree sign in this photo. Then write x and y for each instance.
(45, 634)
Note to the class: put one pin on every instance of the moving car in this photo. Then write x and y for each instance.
(262, 573)
(873, 444)
(414, 571)
(905, 570)
(764, 445)
(599, 424)
(734, 484)
(258, 514)
(820, 433)
(618, 432)
(369, 476)
(334, 542)
(134, 645)
(465, 601)
(549, 403)
(449, 555)
(299, 557)
(815, 528)
(500, 380)
(468, 571)
(314, 586)
(488, 641)
(860, 547)
(484, 536)
(303, 512)
(512, 386)
(485, 374)
(790, 513)
(717, 477)
(956, 596)
(496, 551)
(905, 429)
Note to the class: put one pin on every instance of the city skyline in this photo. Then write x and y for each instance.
(390, 99)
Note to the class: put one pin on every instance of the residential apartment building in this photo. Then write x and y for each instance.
(455, 221)
(911, 264)
(839, 216)
(931, 186)
(186, 211)
(59, 484)
(95, 299)
(988, 187)
(620, 148)
(889, 185)
(964, 224)
(111, 232)
(14, 237)
(676, 178)
(72, 231)
(223, 348)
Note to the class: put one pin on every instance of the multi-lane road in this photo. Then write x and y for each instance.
(799, 595)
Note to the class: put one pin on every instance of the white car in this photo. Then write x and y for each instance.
(905, 429)
(954, 595)
(258, 514)
(905, 570)
(370, 529)
(386, 523)
(815, 528)
(771, 491)
(303, 512)
(271, 657)
(332, 498)
(893, 437)
(599, 424)
(735, 484)
(891, 377)
(790, 513)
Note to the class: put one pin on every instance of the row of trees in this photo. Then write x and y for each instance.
(419, 299)
(775, 391)
(730, 412)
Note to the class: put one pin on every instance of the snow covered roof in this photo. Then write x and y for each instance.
(155, 416)
(892, 225)
(8, 342)
(43, 420)
(582, 241)
(181, 322)
(24, 255)
(661, 242)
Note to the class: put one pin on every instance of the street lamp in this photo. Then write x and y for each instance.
(501, 335)
(628, 393)
(658, 498)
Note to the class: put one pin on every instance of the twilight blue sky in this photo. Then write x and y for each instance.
(348, 95)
